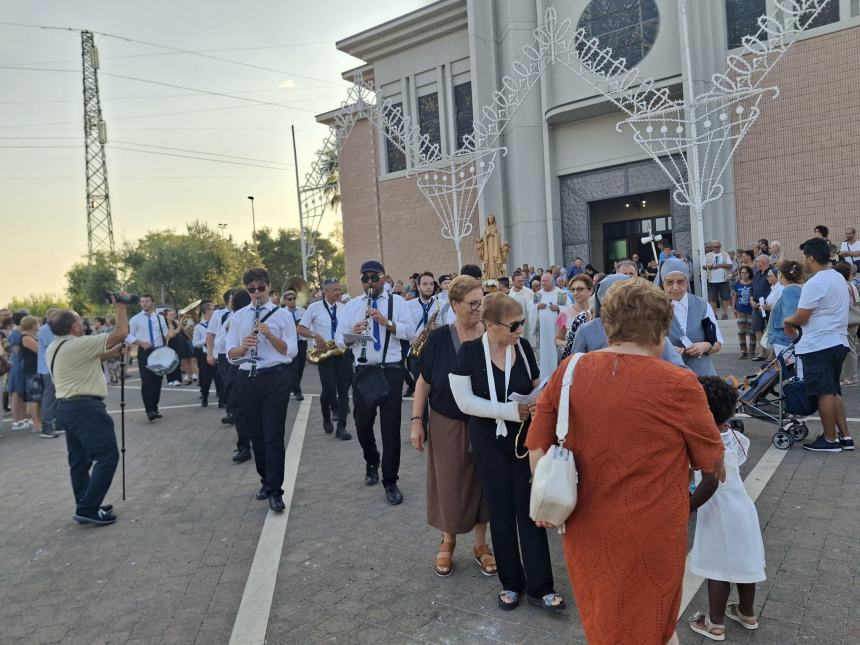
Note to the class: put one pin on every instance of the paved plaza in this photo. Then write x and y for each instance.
(193, 553)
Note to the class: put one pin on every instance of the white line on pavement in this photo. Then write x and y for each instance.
(252, 620)
(161, 407)
(754, 483)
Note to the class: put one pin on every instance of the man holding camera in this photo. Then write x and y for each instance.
(148, 331)
(75, 364)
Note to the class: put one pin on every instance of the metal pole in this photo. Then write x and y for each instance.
(302, 240)
(254, 225)
(697, 228)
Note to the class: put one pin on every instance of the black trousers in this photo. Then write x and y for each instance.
(93, 454)
(225, 375)
(407, 361)
(206, 372)
(335, 376)
(150, 383)
(228, 374)
(298, 365)
(524, 563)
(389, 421)
(263, 411)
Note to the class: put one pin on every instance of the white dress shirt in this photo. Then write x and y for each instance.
(416, 309)
(280, 324)
(298, 313)
(320, 316)
(218, 327)
(681, 307)
(198, 338)
(140, 326)
(353, 313)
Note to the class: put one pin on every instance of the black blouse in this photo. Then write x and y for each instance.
(435, 364)
(470, 362)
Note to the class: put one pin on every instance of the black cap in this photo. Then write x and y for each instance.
(372, 265)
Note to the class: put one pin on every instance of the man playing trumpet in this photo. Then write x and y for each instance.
(335, 367)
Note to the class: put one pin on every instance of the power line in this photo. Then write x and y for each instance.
(170, 154)
(176, 96)
(201, 152)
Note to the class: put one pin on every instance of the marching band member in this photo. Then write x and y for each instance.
(298, 365)
(320, 325)
(148, 331)
(213, 358)
(198, 341)
(423, 309)
(384, 318)
(266, 333)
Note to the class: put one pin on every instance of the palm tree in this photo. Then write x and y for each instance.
(331, 189)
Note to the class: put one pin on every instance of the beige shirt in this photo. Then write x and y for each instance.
(78, 368)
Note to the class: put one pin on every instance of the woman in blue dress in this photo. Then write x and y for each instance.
(16, 376)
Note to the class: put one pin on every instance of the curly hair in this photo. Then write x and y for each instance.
(722, 397)
(634, 310)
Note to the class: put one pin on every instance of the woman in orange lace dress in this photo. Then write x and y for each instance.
(637, 424)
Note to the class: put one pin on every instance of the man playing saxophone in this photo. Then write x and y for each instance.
(335, 366)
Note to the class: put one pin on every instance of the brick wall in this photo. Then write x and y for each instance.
(411, 231)
(800, 164)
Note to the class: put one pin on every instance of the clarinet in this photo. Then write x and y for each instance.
(253, 373)
(363, 357)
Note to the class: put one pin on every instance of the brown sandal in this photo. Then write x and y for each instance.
(443, 565)
(485, 560)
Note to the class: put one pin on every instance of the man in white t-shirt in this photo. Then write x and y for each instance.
(850, 248)
(719, 267)
(822, 315)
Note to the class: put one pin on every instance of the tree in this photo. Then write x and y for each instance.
(87, 282)
(331, 190)
(39, 304)
(281, 254)
(178, 268)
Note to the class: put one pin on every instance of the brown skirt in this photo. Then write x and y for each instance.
(455, 500)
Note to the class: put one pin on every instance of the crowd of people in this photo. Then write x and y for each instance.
(463, 346)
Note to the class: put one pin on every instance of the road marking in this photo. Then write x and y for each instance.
(755, 482)
(252, 620)
(160, 407)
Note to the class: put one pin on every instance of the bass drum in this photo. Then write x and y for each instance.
(162, 361)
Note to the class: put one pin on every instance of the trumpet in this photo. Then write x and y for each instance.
(363, 356)
(257, 307)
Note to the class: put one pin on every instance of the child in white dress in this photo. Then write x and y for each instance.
(728, 547)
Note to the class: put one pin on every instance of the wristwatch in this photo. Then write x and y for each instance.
(389, 324)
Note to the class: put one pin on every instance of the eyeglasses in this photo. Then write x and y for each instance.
(514, 326)
(371, 278)
(256, 289)
(474, 305)
(290, 298)
(578, 289)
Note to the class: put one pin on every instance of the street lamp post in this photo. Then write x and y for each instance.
(254, 224)
(222, 227)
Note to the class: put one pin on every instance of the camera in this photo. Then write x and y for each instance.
(129, 299)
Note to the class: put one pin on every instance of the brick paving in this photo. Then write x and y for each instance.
(353, 569)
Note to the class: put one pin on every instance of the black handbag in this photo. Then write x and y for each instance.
(370, 380)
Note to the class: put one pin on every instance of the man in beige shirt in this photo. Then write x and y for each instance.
(74, 361)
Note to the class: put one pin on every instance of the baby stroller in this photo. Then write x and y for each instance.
(776, 395)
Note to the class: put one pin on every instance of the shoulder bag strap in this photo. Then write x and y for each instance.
(561, 424)
(266, 317)
(455, 338)
(224, 316)
(388, 329)
(54, 357)
(525, 360)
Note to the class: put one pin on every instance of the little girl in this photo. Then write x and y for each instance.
(728, 547)
(741, 292)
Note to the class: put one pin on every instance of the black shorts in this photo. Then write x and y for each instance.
(719, 291)
(33, 388)
(822, 370)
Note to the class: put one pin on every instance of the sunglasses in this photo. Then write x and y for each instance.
(371, 278)
(514, 326)
(256, 289)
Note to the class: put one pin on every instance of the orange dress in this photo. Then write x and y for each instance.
(636, 425)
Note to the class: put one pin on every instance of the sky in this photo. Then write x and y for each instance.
(43, 229)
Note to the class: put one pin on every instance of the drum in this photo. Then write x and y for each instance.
(162, 361)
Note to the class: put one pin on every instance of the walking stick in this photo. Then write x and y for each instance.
(122, 412)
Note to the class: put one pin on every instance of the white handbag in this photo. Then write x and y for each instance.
(553, 495)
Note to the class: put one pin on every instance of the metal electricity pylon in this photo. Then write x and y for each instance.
(99, 223)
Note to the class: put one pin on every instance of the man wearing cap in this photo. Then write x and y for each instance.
(320, 325)
(694, 333)
(298, 365)
(384, 320)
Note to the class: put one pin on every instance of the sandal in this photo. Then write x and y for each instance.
(548, 603)
(509, 600)
(485, 560)
(443, 565)
(734, 613)
(701, 624)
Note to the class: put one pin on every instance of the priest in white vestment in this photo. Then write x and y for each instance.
(547, 304)
(521, 292)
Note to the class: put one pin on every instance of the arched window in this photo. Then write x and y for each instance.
(742, 20)
(629, 27)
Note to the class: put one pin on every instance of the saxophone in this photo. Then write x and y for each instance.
(317, 355)
(421, 339)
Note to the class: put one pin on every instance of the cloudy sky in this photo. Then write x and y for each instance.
(154, 126)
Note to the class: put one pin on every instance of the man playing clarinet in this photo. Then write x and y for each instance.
(266, 334)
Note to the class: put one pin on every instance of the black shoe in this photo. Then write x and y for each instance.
(99, 518)
(242, 455)
(228, 420)
(276, 503)
(342, 434)
(371, 475)
(152, 416)
(263, 492)
(823, 445)
(298, 395)
(157, 415)
(328, 426)
(107, 508)
(220, 405)
(204, 402)
(393, 494)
